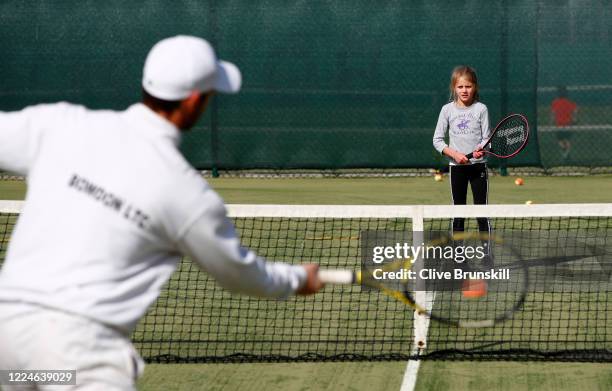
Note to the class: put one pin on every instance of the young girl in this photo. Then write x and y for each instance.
(467, 122)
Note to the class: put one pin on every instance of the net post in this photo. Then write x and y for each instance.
(421, 322)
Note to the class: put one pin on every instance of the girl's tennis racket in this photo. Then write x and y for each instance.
(509, 137)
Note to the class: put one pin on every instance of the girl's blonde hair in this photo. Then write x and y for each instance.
(467, 72)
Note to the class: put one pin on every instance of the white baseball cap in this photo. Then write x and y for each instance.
(177, 66)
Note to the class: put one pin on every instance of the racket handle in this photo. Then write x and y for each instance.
(470, 155)
(342, 277)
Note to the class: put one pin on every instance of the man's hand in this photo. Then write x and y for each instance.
(312, 284)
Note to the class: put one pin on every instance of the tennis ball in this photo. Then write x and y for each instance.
(528, 202)
(438, 177)
(519, 181)
(474, 289)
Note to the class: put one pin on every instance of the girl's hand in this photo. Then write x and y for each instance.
(460, 158)
(478, 153)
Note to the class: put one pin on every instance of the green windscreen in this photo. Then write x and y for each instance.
(330, 84)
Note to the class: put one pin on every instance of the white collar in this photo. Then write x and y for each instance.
(152, 124)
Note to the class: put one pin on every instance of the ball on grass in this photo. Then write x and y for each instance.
(519, 181)
(438, 177)
(528, 202)
(474, 289)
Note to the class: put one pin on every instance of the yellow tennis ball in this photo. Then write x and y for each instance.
(528, 202)
(438, 177)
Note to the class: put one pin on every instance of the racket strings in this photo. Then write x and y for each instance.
(510, 137)
(470, 300)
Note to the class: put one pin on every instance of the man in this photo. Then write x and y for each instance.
(563, 114)
(111, 207)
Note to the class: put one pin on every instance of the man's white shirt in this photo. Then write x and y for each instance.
(111, 206)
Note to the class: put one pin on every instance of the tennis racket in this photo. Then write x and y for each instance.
(509, 137)
(465, 302)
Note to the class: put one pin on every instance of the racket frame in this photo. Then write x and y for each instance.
(524, 119)
(348, 277)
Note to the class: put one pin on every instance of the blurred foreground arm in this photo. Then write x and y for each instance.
(211, 241)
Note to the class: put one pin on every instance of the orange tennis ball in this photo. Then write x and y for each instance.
(474, 289)
(519, 181)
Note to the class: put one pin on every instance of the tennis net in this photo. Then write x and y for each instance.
(195, 320)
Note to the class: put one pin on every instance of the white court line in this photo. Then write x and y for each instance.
(421, 323)
(410, 376)
(421, 328)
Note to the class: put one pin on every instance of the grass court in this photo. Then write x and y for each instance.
(433, 375)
